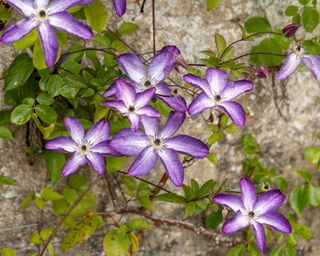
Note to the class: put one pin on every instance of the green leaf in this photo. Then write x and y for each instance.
(46, 114)
(68, 90)
(212, 4)
(304, 2)
(19, 72)
(190, 209)
(77, 181)
(237, 250)
(38, 58)
(299, 198)
(257, 24)
(170, 197)
(54, 163)
(221, 43)
(296, 18)
(312, 155)
(45, 233)
(5, 133)
(35, 239)
(206, 188)
(53, 85)
(212, 157)
(314, 194)
(97, 15)
(188, 192)
(21, 114)
(45, 99)
(116, 242)
(48, 194)
(28, 199)
(291, 10)
(70, 195)
(27, 41)
(115, 164)
(216, 136)
(7, 252)
(281, 183)
(4, 180)
(213, 219)
(306, 175)
(127, 28)
(310, 18)
(71, 66)
(138, 223)
(39, 203)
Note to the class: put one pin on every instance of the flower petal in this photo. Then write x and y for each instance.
(41, 3)
(129, 143)
(73, 164)
(120, 6)
(200, 104)
(150, 126)
(231, 201)
(61, 144)
(269, 201)
(49, 43)
(260, 236)
(66, 22)
(16, 31)
(235, 223)
(187, 145)
(111, 91)
(158, 68)
(125, 92)
(290, 65)
(248, 194)
(97, 133)
(174, 122)
(96, 162)
(234, 111)
(134, 121)
(149, 112)
(143, 163)
(22, 6)
(173, 166)
(198, 82)
(63, 5)
(175, 57)
(117, 105)
(74, 128)
(234, 89)
(313, 63)
(275, 220)
(104, 148)
(143, 98)
(217, 80)
(133, 66)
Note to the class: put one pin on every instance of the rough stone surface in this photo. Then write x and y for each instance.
(189, 26)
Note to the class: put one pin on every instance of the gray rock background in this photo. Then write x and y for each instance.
(188, 25)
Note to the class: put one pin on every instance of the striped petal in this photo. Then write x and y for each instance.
(236, 223)
(217, 80)
(231, 201)
(174, 122)
(248, 194)
(234, 111)
(61, 144)
(96, 162)
(22, 6)
(200, 104)
(143, 163)
(74, 128)
(73, 164)
(120, 6)
(290, 65)
(260, 236)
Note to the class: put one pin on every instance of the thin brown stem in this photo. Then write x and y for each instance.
(160, 186)
(154, 26)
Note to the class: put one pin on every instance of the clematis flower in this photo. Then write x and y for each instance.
(131, 104)
(85, 148)
(294, 58)
(158, 70)
(46, 16)
(255, 211)
(218, 92)
(155, 143)
(119, 6)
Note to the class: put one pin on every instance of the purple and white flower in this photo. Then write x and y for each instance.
(294, 58)
(132, 104)
(219, 92)
(159, 68)
(46, 16)
(89, 148)
(255, 211)
(120, 6)
(155, 143)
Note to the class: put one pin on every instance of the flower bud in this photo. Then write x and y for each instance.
(290, 30)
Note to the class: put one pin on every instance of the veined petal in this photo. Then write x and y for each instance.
(275, 220)
(120, 6)
(96, 162)
(198, 82)
(173, 166)
(111, 91)
(133, 66)
(116, 104)
(148, 111)
(235, 223)
(143, 98)
(260, 236)
(61, 144)
(231, 201)
(129, 143)
(150, 125)
(313, 63)
(74, 128)
(200, 104)
(97, 133)
(174, 122)
(104, 148)
(16, 31)
(158, 67)
(187, 145)
(73, 164)
(248, 194)
(22, 6)
(234, 111)
(41, 3)
(290, 65)
(134, 121)
(49, 43)
(125, 92)
(66, 22)
(144, 163)
(85, 2)
(234, 89)
(62, 5)
(217, 80)
(175, 57)
(269, 201)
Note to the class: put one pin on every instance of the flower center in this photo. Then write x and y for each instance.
(42, 13)
(147, 83)
(299, 50)
(157, 142)
(251, 214)
(84, 148)
(131, 108)
(217, 97)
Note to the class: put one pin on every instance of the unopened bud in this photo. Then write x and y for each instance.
(290, 29)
